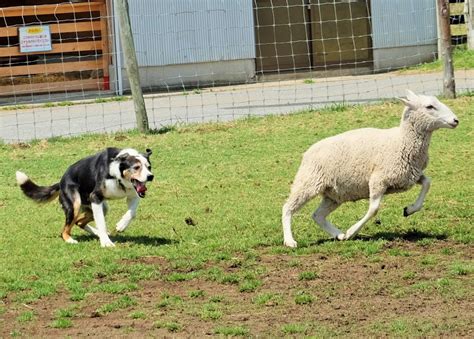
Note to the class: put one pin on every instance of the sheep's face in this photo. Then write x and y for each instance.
(429, 112)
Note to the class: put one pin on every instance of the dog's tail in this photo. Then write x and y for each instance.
(35, 192)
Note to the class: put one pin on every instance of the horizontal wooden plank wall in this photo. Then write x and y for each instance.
(98, 48)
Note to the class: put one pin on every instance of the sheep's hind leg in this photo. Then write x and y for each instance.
(326, 207)
(292, 205)
(373, 209)
(286, 221)
(425, 183)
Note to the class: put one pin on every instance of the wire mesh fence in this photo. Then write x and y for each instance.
(62, 70)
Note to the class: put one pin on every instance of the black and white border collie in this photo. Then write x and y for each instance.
(86, 185)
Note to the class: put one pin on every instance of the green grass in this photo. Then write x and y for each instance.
(138, 315)
(463, 59)
(65, 313)
(232, 179)
(211, 311)
(249, 285)
(61, 323)
(26, 317)
(120, 303)
(171, 326)
(461, 268)
(308, 275)
(216, 299)
(303, 298)
(268, 299)
(169, 300)
(295, 328)
(231, 331)
(196, 294)
(410, 328)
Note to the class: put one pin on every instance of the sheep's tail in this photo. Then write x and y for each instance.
(35, 192)
(296, 200)
(306, 185)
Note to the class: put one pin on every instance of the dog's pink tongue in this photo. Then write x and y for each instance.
(141, 188)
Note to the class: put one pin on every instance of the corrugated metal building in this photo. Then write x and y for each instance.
(191, 42)
(207, 42)
(404, 32)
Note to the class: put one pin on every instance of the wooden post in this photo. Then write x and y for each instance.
(469, 15)
(445, 49)
(131, 65)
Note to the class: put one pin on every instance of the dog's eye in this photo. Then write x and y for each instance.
(136, 168)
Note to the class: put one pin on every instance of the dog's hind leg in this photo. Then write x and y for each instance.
(86, 217)
(83, 220)
(71, 203)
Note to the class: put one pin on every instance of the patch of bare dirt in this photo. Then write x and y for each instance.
(351, 297)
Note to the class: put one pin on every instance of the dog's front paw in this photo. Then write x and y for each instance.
(290, 243)
(121, 226)
(106, 243)
(341, 236)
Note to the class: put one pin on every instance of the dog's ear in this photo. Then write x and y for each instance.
(148, 152)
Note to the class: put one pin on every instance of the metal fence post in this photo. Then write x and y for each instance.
(446, 51)
(131, 65)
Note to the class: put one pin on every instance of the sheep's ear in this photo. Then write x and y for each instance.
(408, 103)
(411, 96)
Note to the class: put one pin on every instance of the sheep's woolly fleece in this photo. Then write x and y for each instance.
(367, 163)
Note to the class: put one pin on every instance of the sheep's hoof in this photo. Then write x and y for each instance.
(290, 243)
(405, 212)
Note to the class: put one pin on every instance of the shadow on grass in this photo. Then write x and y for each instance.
(123, 238)
(410, 236)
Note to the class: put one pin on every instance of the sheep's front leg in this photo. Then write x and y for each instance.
(373, 209)
(326, 207)
(425, 183)
(132, 203)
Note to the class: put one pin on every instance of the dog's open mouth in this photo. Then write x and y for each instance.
(140, 187)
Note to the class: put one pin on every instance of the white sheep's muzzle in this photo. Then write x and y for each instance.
(433, 112)
(445, 118)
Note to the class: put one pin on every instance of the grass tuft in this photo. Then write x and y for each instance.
(308, 275)
(232, 331)
(121, 303)
(61, 323)
(303, 298)
(171, 326)
(26, 317)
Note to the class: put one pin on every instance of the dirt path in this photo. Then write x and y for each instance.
(409, 289)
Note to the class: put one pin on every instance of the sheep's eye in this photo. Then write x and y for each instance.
(430, 107)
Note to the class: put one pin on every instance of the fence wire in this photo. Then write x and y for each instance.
(62, 70)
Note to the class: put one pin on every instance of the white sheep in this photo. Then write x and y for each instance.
(368, 163)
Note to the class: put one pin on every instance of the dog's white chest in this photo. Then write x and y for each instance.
(114, 190)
